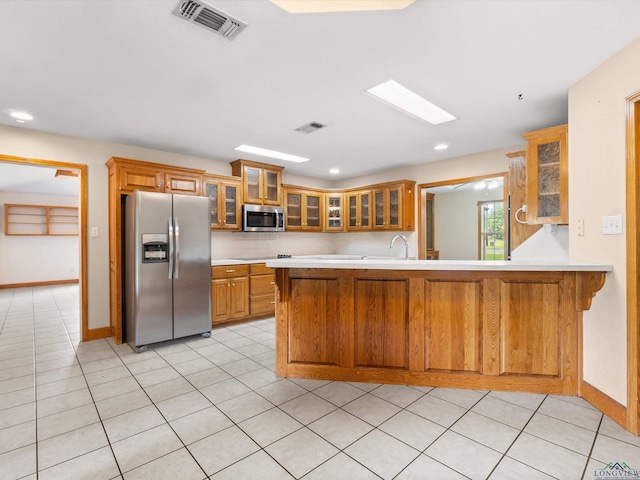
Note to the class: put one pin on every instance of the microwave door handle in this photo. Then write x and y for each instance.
(171, 248)
(277, 220)
(177, 235)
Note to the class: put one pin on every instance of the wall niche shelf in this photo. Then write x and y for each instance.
(40, 220)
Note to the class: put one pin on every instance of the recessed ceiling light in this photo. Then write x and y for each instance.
(318, 6)
(24, 116)
(334, 170)
(20, 121)
(409, 102)
(441, 146)
(271, 153)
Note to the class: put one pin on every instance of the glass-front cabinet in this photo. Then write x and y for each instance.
(387, 204)
(334, 216)
(303, 209)
(262, 183)
(547, 175)
(359, 207)
(225, 201)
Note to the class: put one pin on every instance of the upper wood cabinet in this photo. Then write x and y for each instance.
(358, 210)
(393, 206)
(303, 209)
(134, 175)
(262, 183)
(334, 212)
(225, 201)
(547, 175)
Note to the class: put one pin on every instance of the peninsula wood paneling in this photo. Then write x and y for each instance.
(453, 326)
(314, 326)
(531, 328)
(381, 323)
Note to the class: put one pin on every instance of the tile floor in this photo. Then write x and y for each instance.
(212, 408)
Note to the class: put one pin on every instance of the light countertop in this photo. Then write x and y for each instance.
(377, 263)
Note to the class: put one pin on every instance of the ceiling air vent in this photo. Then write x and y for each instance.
(210, 18)
(310, 127)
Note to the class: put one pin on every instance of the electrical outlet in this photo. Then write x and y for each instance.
(581, 227)
(612, 225)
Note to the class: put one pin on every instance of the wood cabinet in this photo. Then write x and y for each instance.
(40, 220)
(303, 209)
(229, 293)
(262, 290)
(358, 210)
(547, 175)
(262, 183)
(225, 201)
(486, 330)
(149, 177)
(393, 206)
(334, 212)
(125, 176)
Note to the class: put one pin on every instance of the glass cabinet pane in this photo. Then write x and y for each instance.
(353, 211)
(271, 187)
(379, 208)
(364, 209)
(294, 210)
(313, 211)
(335, 220)
(253, 184)
(394, 208)
(212, 193)
(549, 179)
(231, 204)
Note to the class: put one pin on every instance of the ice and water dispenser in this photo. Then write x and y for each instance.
(155, 247)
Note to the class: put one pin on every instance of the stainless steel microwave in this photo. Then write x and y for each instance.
(262, 218)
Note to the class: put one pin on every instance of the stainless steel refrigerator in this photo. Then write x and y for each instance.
(167, 267)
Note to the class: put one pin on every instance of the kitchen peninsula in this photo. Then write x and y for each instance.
(496, 325)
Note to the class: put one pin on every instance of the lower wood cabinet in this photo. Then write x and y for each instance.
(229, 293)
(464, 329)
(241, 292)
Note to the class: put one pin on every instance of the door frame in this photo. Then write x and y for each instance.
(633, 260)
(86, 334)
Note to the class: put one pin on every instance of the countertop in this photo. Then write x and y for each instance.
(246, 261)
(377, 263)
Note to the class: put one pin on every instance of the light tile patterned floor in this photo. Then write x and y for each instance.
(212, 408)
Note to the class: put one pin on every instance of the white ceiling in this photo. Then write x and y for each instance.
(131, 72)
(18, 177)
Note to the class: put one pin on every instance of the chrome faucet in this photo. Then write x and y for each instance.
(406, 245)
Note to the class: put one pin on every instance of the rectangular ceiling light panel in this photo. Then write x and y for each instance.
(405, 100)
(324, 6)
(263, 152)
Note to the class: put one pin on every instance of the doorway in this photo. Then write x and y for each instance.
(491, 238)
(81, 170)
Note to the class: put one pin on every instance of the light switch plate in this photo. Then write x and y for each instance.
(95, 233)
(612, 225)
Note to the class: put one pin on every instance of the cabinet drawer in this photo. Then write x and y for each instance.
(257, 268)
(262, 284)
(263, 304)
(226, 271)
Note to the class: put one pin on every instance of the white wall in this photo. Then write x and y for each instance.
(26, 259)
(597, 188)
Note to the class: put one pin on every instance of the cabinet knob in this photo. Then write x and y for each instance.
(233, 284)
(168, 187)
(158, 185)
(228, 284)
(273, 303)
(272, 283)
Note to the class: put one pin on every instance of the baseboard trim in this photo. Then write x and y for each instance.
(39, 284)
(97, 333)
(603, 402)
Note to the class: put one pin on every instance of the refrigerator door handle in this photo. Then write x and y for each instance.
(177, 235)
(171, 248)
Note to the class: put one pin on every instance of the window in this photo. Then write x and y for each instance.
(491, 230)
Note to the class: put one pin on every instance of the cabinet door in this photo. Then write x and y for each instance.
(354, 211)
(547, 175)
(365, 209)
(212, 191)
(183, 184)
(381, 209)
(148, 180)
(220, 302)
(334, 212)
(313, 201)
(252, 185)
(230, 206)
(394, 208)
(239, 297)
(293, 214)
(271, 188)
